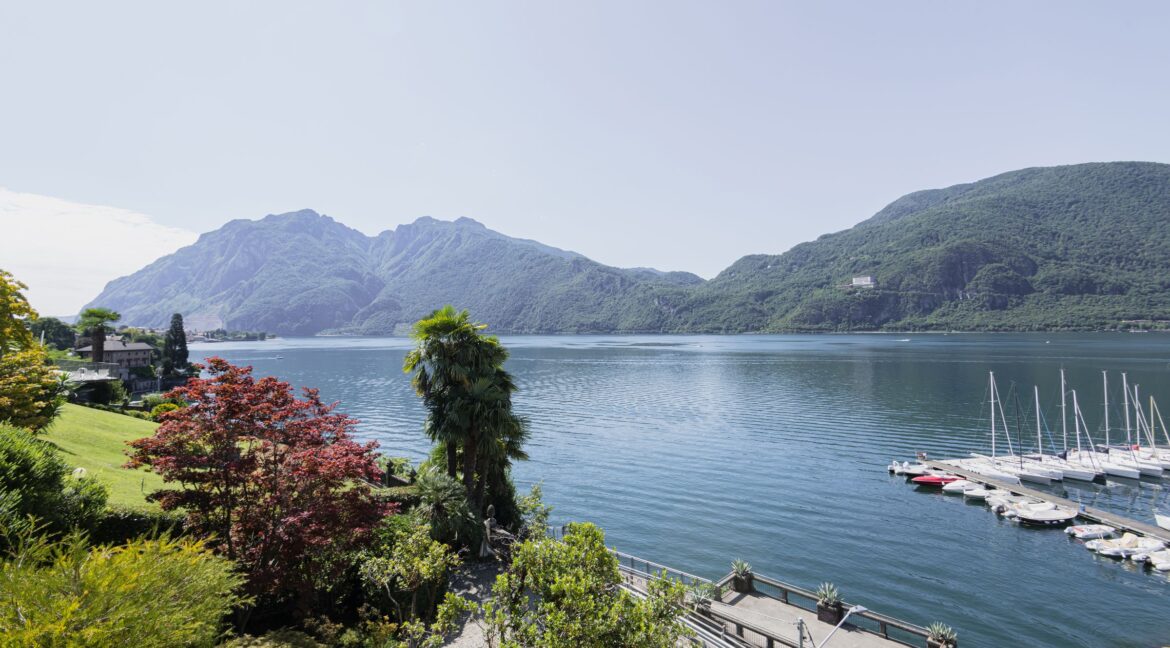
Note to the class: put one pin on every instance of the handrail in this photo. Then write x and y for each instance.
(884, 622)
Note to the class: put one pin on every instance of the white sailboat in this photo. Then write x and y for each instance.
(1071, 470)
(1013, 464)
(1106, 461)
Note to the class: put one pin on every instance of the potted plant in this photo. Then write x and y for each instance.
(742, 573)
(829, 609)
(702, 594)
(940, 635)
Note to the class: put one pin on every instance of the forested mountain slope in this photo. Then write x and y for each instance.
(1072, 247)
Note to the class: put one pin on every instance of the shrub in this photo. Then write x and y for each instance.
(118, 525)
(37, 482)
(282, 638)
(278, 482)
(157, 411)
(164, 592)
(31, 391)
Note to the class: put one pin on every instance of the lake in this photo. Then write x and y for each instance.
(695, 450)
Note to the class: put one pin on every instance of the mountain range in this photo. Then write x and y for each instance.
(1073, 247)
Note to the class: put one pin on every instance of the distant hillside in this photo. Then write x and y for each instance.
(1083, 246)
(302, 273)
(1073, 247)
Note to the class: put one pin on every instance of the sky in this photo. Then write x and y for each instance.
(679, 135)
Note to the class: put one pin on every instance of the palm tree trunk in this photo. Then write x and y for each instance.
(98, 344)
(452, 459)
(470, 454)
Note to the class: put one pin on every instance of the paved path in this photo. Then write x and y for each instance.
(474, 583)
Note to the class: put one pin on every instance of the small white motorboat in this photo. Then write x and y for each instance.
(1043, 514)
(1004, 503)
(959, 487)
(1127, 545)
(1162, 520)
(1090, 531)
(978, 493)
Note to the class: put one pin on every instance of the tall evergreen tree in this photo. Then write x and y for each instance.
(174, 353)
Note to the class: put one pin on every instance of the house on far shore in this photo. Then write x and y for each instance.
(864, 281)
(126, 355)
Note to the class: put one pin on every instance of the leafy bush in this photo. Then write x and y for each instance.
(37, 482)
(157, 411)
(567, 593)
(117, 525)
(31, 391)
(165, 592)
(275, 639)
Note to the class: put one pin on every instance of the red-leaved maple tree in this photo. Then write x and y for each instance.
(276, 482)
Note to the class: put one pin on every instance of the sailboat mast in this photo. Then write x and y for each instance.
(1077, 420)
(1137, 409)
(1125, 389)
(991, 390)
(1039, 437)
(1063, 412)
(1105, 388)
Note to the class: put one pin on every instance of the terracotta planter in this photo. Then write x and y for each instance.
(743, 584)
(831, 614)
(931, 643)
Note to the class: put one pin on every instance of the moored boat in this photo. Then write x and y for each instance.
(1090, 531)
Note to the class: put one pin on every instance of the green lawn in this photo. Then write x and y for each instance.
(96, 440)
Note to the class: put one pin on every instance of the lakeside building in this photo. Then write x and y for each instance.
(126, 355)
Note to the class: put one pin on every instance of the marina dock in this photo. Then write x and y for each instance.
(1089, 513)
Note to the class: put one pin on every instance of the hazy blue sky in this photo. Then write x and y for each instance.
(675, 134)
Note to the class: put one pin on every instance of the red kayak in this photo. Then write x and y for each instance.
(935, 480)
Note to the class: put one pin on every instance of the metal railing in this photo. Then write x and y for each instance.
(81, 371)
(868, 621)
(640, 569)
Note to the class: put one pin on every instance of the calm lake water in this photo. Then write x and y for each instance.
(695, 450)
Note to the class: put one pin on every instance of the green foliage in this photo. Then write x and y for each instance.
(164, 592)
(36, 482)
(105, 393)
(443, 506)
(409, 569)
(942, 634)
(1074, 247)
(827, 594)
(534, 513)
(174, 347)
(118, 525)
(58, 334)
(15, 315)
(31, 390)
(702, 594)
(157, 411)
(283, 638)
(459, 373)
(741, 568)
(567, 594)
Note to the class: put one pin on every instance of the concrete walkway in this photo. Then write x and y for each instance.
(474, 583)
(779, 619)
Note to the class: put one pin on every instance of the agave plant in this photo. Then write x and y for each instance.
(828, 595)
(942, 634)
(702, 594)
(741, 568)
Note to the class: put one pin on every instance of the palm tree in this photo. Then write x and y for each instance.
(93, 322)
(458, 371)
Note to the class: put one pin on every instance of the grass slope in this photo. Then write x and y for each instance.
(96, 440)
